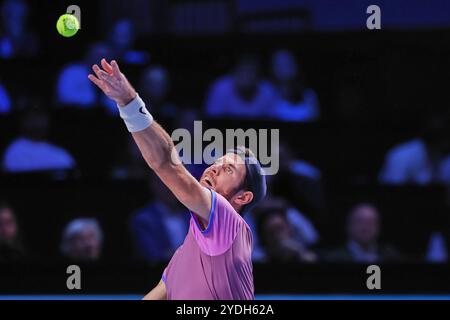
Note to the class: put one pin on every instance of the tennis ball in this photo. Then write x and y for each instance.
(67, 25)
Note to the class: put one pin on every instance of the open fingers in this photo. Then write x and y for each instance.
(106, 66)
(97, 70)
(95, 80)
(102, 75)
(115, 68)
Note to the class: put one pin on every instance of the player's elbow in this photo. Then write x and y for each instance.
(162, 165)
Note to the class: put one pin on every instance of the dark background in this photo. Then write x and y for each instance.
(401, 72)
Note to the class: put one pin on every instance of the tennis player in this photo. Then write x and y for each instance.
(214, 262)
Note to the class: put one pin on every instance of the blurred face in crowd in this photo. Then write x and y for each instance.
(277, 236)
(14, 15)
(97, 52)
(276, 229)
(226, 177)
(85, 245)
(8, 225)
(364, 225)
(284, 67)
(246, 77)
(155, 84)
(122, 36)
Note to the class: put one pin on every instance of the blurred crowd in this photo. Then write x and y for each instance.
(272, 89)
(282, 234)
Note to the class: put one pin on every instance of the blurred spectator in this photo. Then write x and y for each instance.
(155, 89)
(76, 90)
(301, 183)
(277, 234)
(241, 94)
(363, 230)
(11, 247)
(422, 160)
(15, 39)
(121, 42)
(82, 240)
(31, 151)
(159, 228)
(294, 102)
(5, 101)
(437, 248)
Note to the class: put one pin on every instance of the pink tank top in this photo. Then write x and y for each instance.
(215, 263)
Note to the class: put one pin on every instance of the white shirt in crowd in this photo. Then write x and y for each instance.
(409, 163)
(223, 100)
(5, 101)
(303, 111)
(24, 155)
(75, 89)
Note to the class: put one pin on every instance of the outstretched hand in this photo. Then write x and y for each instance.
(113, 82)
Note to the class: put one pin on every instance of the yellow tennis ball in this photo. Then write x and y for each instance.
(67, 25)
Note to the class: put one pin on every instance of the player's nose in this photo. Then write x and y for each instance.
(215, 169)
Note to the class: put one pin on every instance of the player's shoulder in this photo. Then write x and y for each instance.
(223, 205)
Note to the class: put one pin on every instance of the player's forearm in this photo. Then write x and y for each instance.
(155, 145)
(159, 152)
(153, 141)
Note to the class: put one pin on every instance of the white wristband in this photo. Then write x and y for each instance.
(135, 115)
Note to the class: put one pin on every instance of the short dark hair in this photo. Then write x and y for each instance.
(244, 183)
(254, 179)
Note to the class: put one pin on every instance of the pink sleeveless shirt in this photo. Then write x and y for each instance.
(215, 263)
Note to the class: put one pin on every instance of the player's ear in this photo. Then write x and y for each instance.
(244, 197)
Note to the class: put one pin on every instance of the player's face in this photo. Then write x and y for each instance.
(225, 176)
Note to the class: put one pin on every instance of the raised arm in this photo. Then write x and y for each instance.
(153, 141)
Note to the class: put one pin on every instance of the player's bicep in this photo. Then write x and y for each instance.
(187, 189)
